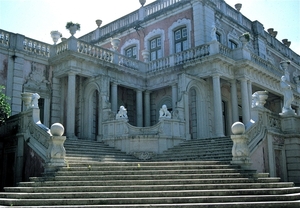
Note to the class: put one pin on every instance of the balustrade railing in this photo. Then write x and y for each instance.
(95, 51)
(225, 51)
(266, 64)
(62, 47)
(179, 58)
(4, 38)
(264, 120)
(191, 54)
(36, 47)
(159, 5)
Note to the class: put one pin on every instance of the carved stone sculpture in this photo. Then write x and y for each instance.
(122, 113)
(288, 96)
(164, 113)
(213, 33)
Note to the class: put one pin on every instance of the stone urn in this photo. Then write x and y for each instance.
(142, 2)
(244, 38)
(262, 98)
(115, 43)
(27, 99)
(55, 35)
(98, 22)
(72, 27)
(238, 6)
(73, 30)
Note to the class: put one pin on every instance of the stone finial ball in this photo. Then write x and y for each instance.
(238, 128)
(57, 129)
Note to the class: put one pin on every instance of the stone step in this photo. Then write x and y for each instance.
(270, 204)
(143, 166)
(47, 183)
(47, 189)
(99, 176)
(91, 172)
(151, 200)
(169, 193)
(150, 177)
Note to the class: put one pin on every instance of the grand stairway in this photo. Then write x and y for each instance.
(100, 176)
(218, 149)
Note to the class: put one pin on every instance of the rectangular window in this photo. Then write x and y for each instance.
(155, 48)
(232, 44)
(131, 52)
(181, 42)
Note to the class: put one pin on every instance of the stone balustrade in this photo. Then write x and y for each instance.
(36, 47)
(159, 5)
(183, 57)
(155, 139)
(4, 38)
(45, 142)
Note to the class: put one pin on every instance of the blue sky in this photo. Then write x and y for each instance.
(37, 18)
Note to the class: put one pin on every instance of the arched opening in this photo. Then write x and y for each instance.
(91, 112)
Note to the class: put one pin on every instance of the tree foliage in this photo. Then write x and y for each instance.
(4, 106)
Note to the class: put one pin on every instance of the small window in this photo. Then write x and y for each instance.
(218, 35)
(155, 48)
(180, 37)
(131, 52)
(232, 44)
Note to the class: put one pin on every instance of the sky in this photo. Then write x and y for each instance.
(37, 18)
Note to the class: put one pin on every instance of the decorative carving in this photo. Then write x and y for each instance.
(164, 113)
(122, 113)
(213, 33)
(288, 97)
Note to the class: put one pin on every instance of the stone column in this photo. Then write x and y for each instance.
(218, 116)
(139, 108)
(245, 101)
(249, 95)
(70, 132)
(114, 97)
(234, 102)
(174, 96)
(147, 107)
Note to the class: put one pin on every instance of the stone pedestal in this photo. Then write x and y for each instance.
(240, 149)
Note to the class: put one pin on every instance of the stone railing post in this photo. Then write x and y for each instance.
(214, 47)
(56, 152)
(240, 149)
(72, 44)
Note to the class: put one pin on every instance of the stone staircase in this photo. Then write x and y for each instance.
(199, 149)
(100, 176)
